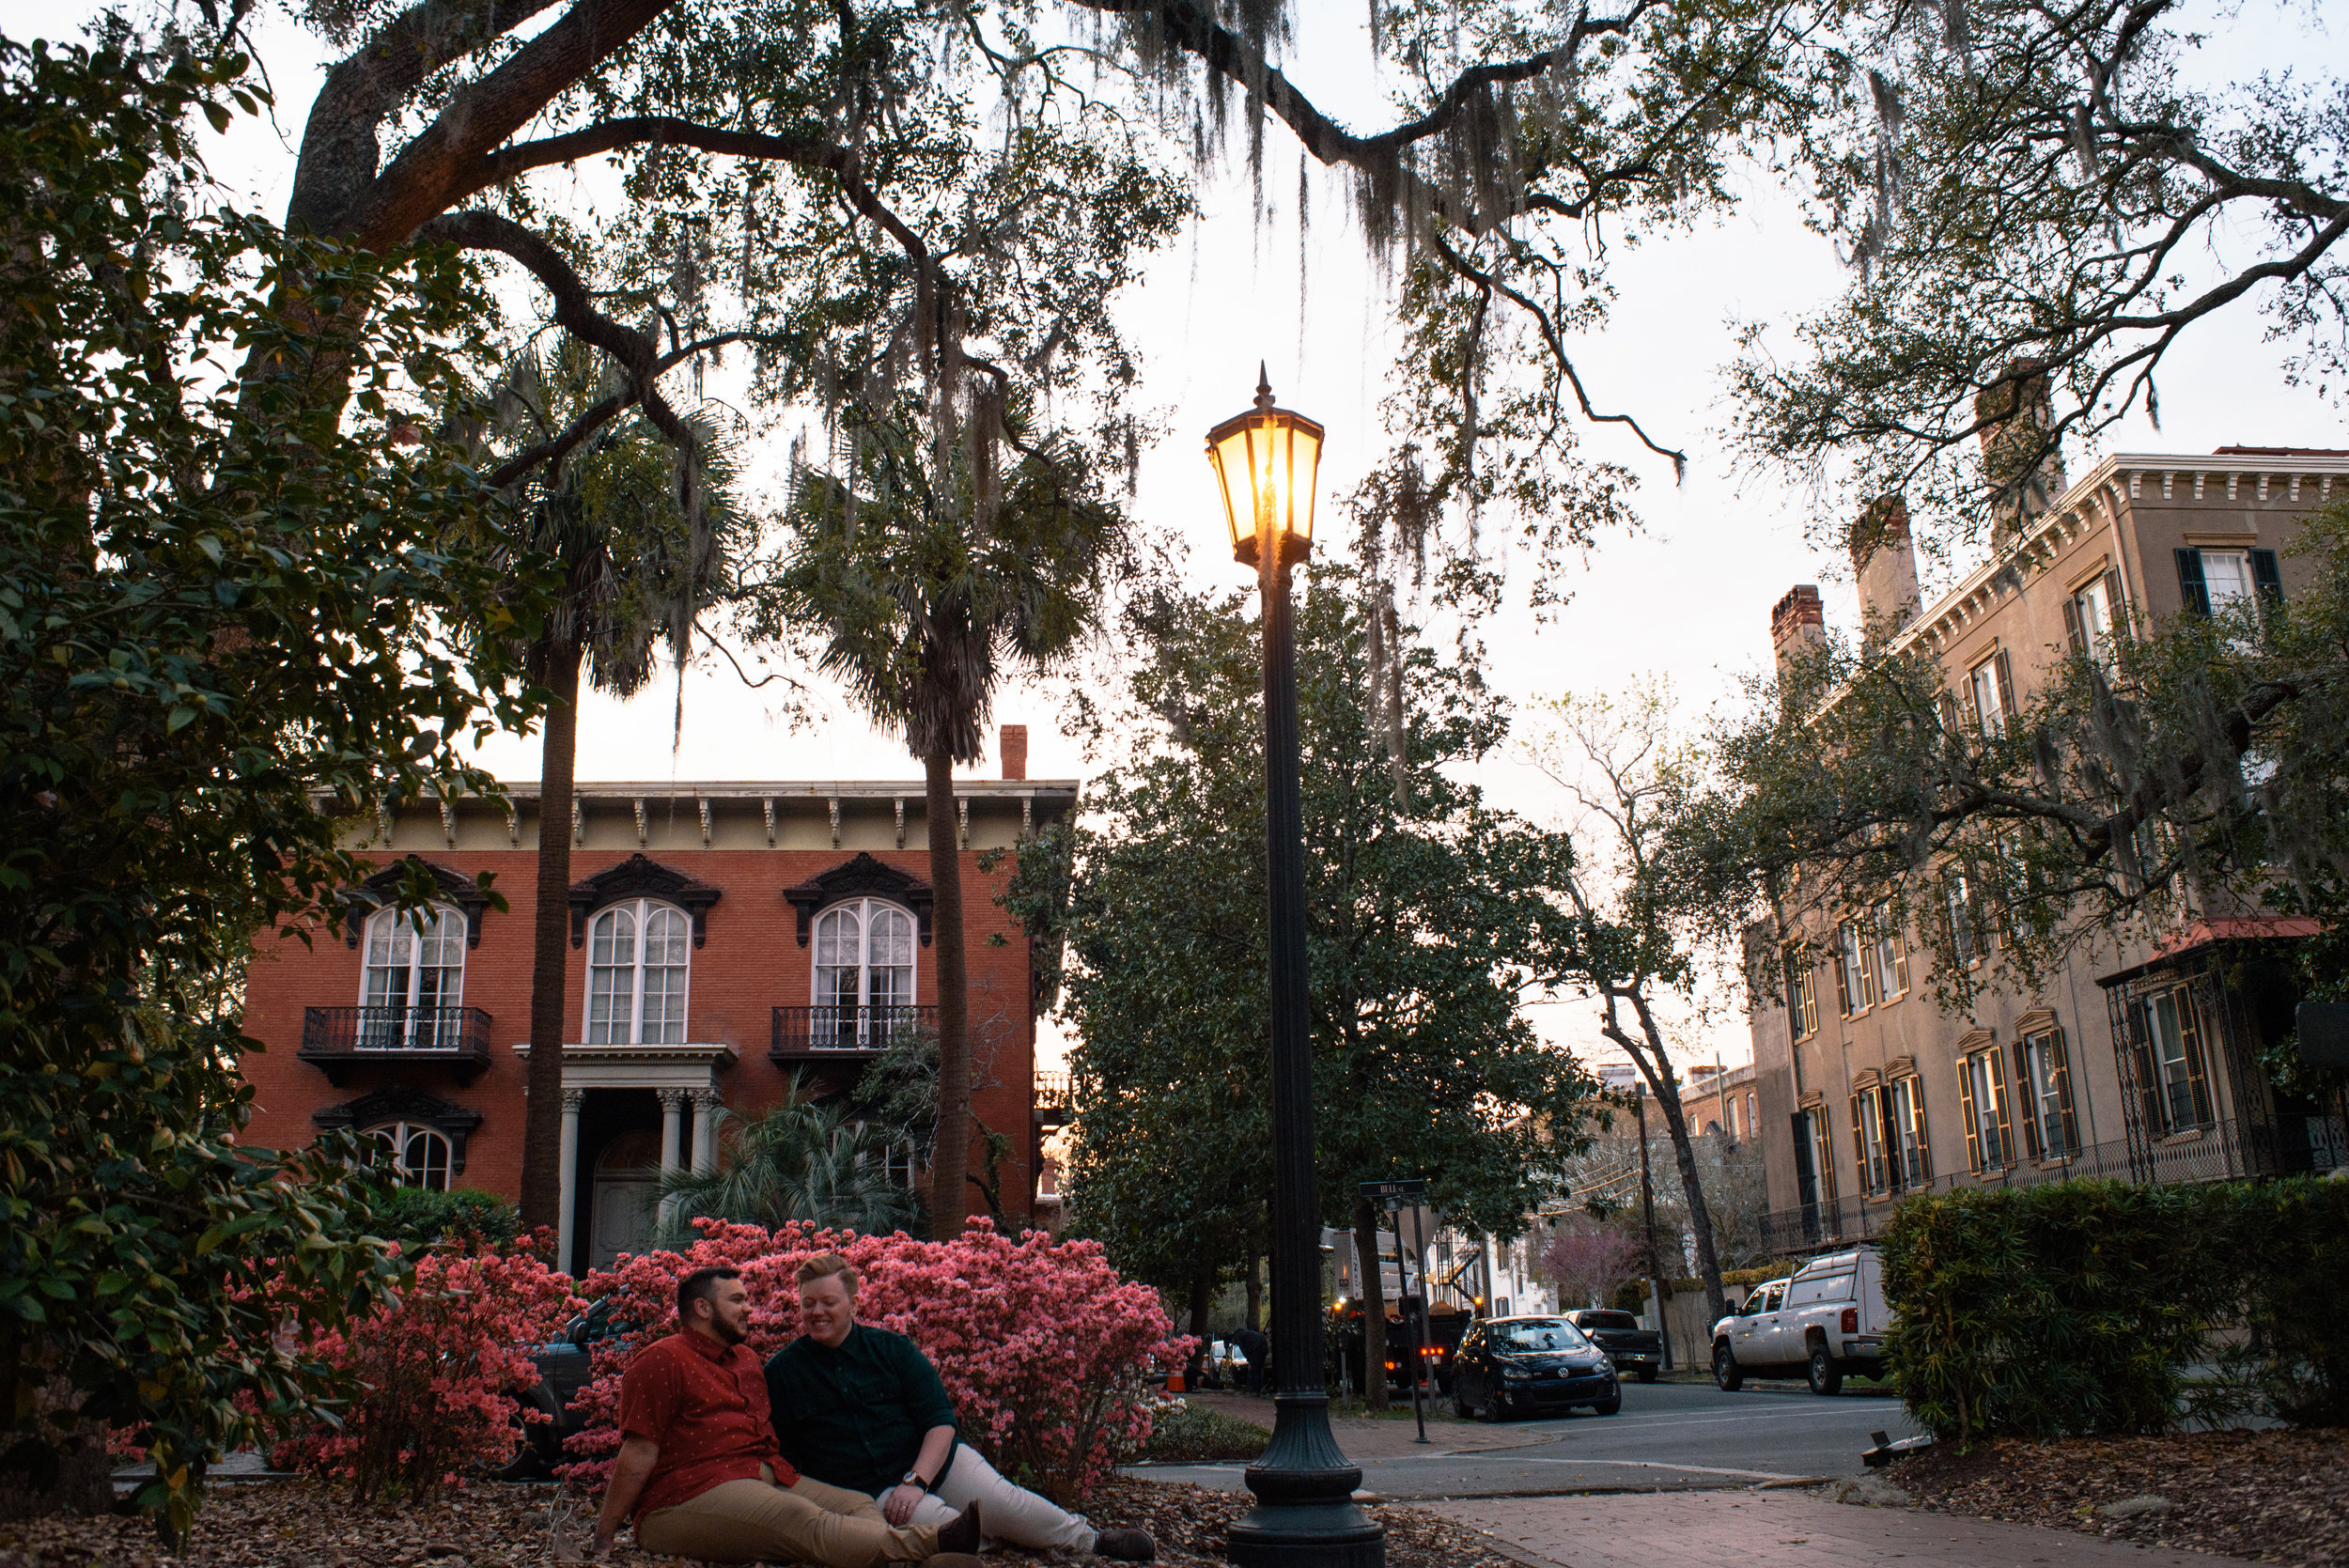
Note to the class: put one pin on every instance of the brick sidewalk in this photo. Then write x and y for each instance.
(1781, 1529)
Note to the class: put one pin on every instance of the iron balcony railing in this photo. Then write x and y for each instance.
(337, 1037)
(2216, 1151)
(821, 1031)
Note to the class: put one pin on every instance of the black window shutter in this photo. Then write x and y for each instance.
(2072, 633)
(2112, 599)
(2192, 592)
(2265, 577)
(2006, 686)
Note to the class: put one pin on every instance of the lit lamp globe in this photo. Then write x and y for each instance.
(1266, 460)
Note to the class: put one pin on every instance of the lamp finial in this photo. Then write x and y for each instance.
(1263, 389)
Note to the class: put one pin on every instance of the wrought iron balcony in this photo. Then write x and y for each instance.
(336, 1038)
(829, 1031)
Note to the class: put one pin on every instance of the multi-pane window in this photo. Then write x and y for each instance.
(2210, 582)
(1855, 967)
(863, 974)
(1957, 908)
(2045, 1084)
(636, 974)
(1889, 1137)
(1891, 959)
(1989, 1132)
(1802, 1000)
(415, 967)
(2176, 1091)
(1990, 693)
(418, 1155)
(2089, 618)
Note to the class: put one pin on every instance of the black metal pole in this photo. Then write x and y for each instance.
(1305, 1516)
(1418, 1318)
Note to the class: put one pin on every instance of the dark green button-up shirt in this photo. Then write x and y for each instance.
(855, 1417)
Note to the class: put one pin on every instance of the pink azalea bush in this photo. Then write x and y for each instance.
(439, 1368)
(1043, 1349)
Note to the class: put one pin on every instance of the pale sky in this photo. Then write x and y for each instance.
(1688, 597)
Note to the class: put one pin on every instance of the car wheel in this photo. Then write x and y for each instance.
(1826, 1376)
(1609, 1406)
(537, 1444)
(1726, 1373)
(1647, 1374)
(1460, 1405)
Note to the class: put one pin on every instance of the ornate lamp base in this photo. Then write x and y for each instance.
(1305, 1515)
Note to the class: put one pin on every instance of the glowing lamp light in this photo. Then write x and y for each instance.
(1266, 460)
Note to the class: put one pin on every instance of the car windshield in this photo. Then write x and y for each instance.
(1607, 1320)
(1554, 1333)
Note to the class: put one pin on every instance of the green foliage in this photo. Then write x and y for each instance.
(417, 1218)
(2210, 760)
(2085, 1307)
(224, 612)
(1195, 1435)
(1420, 929)
(802, 1160)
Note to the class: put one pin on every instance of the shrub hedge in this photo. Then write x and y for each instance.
(2107, 1308)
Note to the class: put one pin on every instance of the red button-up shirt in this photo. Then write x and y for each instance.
(706, 1405)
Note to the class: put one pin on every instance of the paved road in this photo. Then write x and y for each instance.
(1675, 1435)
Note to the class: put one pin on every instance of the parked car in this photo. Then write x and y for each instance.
(565, 1366)
(1524, 1366)
(1631, 1347)
(1822, 1324)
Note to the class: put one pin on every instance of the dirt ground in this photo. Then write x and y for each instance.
(2275, 1496)
(304, 1525)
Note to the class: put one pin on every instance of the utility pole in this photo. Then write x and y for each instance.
(1647, 1209)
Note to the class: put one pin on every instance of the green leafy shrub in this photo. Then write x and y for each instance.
(417, 1218)
(2090, 1307)
(1195, 1434)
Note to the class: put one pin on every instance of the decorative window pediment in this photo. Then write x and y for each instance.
(383, 888)
(861, 877)
(639, 878)
(403, 1102)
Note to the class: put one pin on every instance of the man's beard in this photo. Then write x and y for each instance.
(727, 1331)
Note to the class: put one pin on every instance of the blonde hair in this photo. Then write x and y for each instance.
(823, 1265)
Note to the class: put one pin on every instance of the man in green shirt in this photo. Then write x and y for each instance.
(861, 1408)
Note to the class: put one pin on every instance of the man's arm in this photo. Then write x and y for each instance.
(638, 1455)
(898, 1506)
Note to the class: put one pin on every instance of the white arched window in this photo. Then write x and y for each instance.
(636, 974)
(863, 974)
(418, 1155)
(413, 979)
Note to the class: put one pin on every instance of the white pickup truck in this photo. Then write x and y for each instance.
(1826, 1321)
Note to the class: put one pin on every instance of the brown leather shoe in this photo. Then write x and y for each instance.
(962, 1535)
(1126, 1545)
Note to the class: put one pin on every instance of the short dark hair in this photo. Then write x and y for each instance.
(700, 1285)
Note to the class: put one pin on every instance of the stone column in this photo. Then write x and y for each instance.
(705, 1130)
(572, 1099)
(671, 1131)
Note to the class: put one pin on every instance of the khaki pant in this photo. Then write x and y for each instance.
(756, 1521)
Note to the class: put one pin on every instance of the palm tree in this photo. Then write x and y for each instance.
(929, 571)
(639, 535)
(802, 1160)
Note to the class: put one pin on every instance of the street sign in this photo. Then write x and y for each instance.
(1396, 1196)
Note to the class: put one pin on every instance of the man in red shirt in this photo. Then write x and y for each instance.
(699, 1472)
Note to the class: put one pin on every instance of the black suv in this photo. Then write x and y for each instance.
(1524, 1366)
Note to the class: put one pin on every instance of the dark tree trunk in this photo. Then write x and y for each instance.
(1373, 1306)
(1255, 1295)
(1202, 1302)
(1657, 1068)
(550, 917)
(950, 1157)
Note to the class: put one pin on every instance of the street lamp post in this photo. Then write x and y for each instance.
(1305, 1516)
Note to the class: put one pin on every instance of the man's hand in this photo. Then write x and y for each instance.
(902, 1500)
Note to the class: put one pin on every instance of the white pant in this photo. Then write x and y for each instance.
(1007, 1513)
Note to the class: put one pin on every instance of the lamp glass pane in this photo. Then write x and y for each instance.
(1232, 473)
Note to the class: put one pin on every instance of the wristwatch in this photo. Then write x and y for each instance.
(913, 1478)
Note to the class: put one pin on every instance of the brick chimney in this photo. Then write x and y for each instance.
(1797, 624)
(1885, 562)
(1012, 743)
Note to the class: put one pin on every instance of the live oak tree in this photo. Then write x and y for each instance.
(229, 623)
(1422, 928)
(2041, 203)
